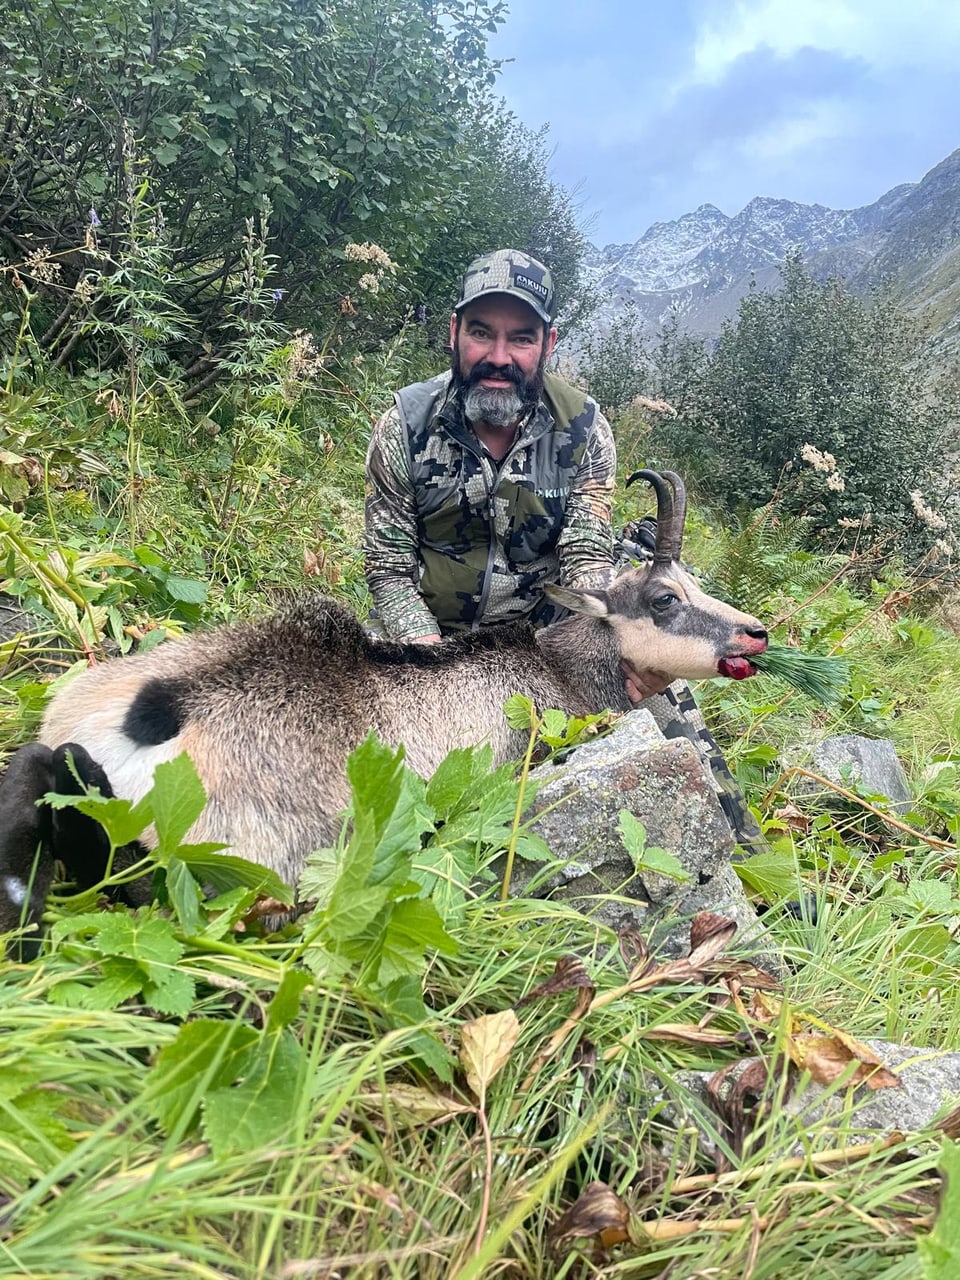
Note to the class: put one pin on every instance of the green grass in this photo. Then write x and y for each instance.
(372, 1164)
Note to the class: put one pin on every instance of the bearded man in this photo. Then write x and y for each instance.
(492, 479)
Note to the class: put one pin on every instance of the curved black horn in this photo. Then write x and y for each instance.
(679, 512)
(662, 552)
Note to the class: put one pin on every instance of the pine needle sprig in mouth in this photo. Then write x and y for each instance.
(820, 677)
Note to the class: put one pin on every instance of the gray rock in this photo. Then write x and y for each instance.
(666, 786)
(872, 762)
(929, 1088)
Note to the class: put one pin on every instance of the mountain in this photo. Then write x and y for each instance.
(700, 266)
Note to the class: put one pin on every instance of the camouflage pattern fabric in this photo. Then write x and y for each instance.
(458, 541)
(678, 716)
(513, 272)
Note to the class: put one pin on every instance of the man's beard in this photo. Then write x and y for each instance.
(497, 406)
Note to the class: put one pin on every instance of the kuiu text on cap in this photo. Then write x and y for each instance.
(535, 286)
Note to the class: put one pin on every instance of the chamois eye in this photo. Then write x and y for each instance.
(664, 601)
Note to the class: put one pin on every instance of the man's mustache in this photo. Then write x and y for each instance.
(506, 373)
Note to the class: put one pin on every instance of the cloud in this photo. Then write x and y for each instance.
(784, 102)
(884, 33)
(654, 110)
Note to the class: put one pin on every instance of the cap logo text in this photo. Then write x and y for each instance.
(525, 282)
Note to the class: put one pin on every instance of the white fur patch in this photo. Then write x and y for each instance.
(15, 889)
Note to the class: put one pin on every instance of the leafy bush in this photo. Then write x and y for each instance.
(817, 397)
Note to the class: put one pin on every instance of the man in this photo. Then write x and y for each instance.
(492, 479)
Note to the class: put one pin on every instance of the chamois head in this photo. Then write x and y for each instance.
(663, 620)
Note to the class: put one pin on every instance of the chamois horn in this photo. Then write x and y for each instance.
(671, 512)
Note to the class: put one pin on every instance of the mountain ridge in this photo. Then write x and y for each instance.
(700, 265)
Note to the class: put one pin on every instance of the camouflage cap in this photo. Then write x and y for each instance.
(513, 272)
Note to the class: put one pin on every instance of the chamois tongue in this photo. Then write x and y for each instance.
(736, 668)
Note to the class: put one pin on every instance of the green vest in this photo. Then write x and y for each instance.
(487, 531)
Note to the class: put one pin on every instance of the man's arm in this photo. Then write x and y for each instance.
(390, 537)
(585, 545)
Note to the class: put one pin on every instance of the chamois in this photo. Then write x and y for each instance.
(269, 710)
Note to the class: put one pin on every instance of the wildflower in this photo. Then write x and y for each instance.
(925, 514)
(819, 461)
(39, 265)
(846, 523)
(370, 282)
(945, 548)
(94, 217)
(370, 253)
(278, 295)
(835, 482)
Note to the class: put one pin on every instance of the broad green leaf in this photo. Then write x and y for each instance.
(225, 871)
(394, 797)
(401, 1004)
(186, 590)
(148, 939)
(178, 799)
(413, 927)
(520, 712)
(122, 820)
(170, 991)
(285, 1005)
(319, 876)
(259, 1109)
(663, 862)
(206, 1055)
(463, 767)
(939, 1252)
(184, 894)
(772, 876)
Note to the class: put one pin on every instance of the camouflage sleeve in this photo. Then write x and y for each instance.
(585, 546)
(390, 534)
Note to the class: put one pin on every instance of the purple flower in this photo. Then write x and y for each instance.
(278, 295)
(94, 217)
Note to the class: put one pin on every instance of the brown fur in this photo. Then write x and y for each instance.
(269, 710)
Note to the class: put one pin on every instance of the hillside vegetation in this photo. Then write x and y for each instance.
(421, 1081)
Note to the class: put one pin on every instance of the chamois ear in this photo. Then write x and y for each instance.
(592, 603)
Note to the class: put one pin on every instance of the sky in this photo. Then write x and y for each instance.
(658, 106)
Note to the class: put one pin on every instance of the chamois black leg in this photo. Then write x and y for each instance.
(26, 861)
(80, 842)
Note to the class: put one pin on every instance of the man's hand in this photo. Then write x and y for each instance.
(643, 684)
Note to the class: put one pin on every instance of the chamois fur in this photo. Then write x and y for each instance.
(269, 710)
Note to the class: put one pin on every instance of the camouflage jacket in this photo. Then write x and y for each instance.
(455, 540)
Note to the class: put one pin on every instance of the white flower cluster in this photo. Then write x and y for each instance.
(303, 363)
(369, 252)
(826, 463)
(819, 461)
(374, 257)
(925, 514)
(39, 265)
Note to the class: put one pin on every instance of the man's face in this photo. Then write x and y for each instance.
(499, 350)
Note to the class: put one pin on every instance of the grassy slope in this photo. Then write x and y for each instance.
(374, 1166)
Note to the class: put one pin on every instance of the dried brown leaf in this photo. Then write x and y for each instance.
(634, 950)
(486, 1045)
(311, 563)
(791, 818)
(710, 934)
(688, 1033)
(418, 1106)
(568, 974)
(827, 1057)
(596, 1212)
